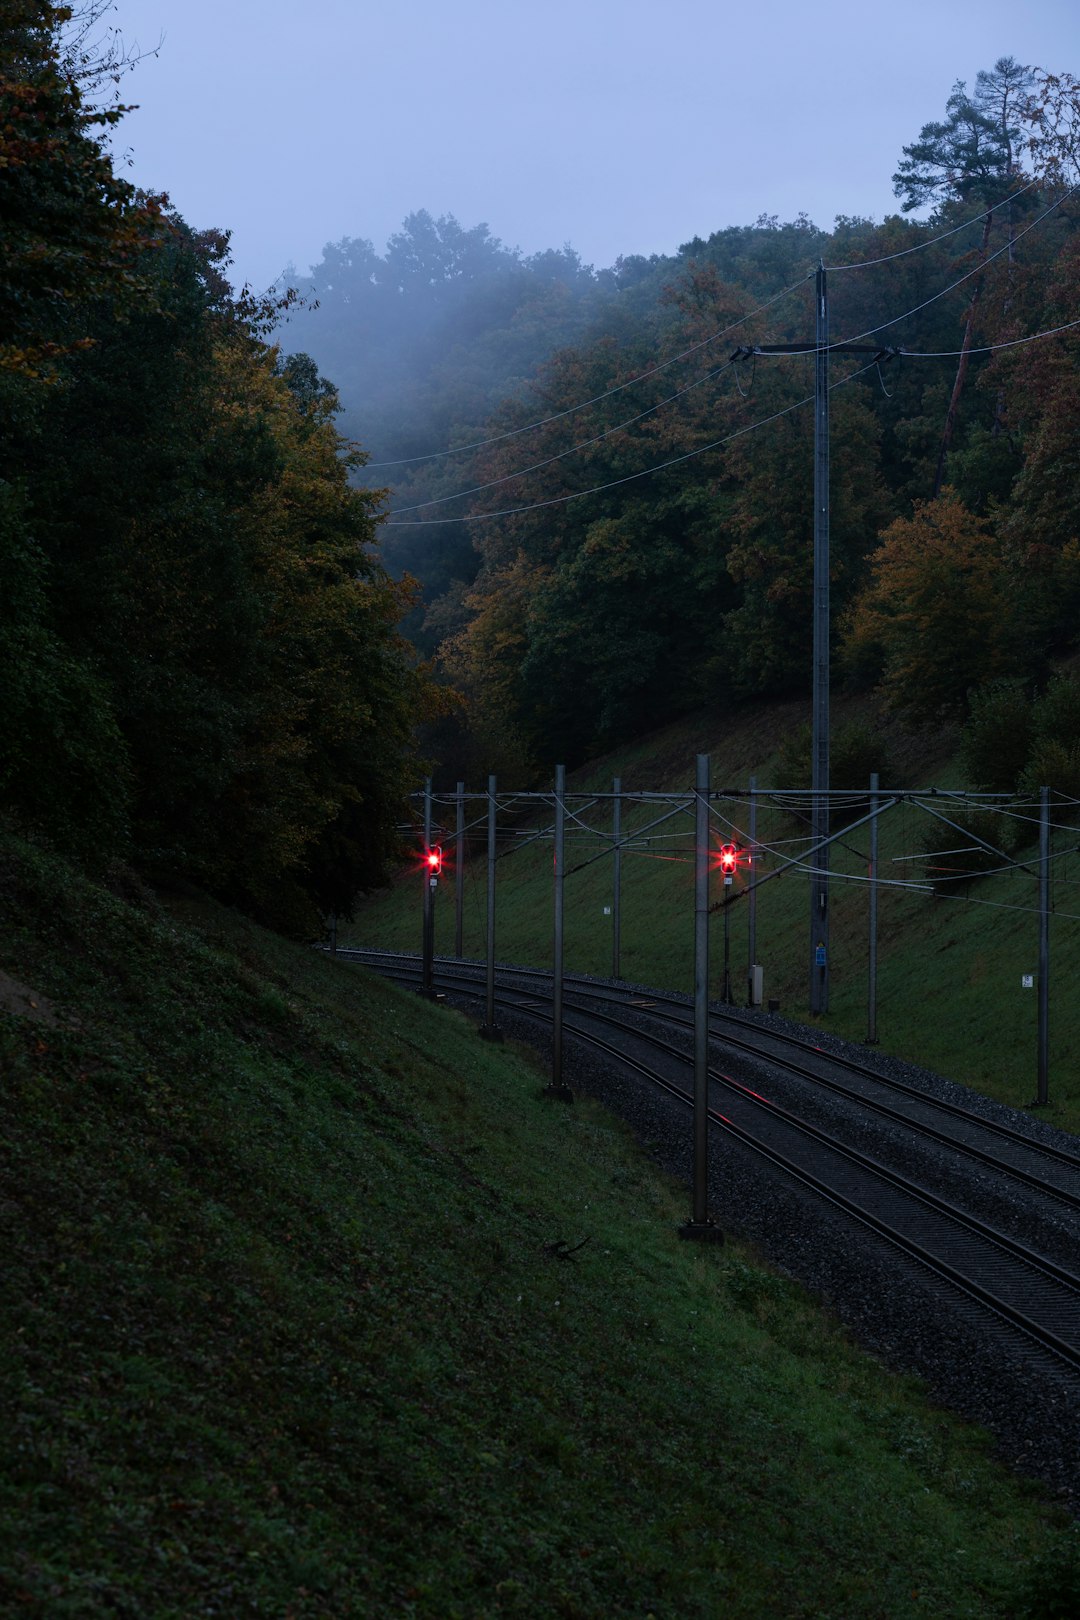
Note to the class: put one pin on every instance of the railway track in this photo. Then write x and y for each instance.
(989, 1209)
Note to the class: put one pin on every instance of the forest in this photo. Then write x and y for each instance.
(265, 560)
(204, 673)
(611, 517)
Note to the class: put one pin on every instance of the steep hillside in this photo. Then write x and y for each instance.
(287, 1331)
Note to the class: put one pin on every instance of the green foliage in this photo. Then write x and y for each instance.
(425, 341)
(1017, 741)
(206, 666)
(597, 670)
(996, 739)
(73, 229)
(972, 151)
(63, 762)
(935, 611)
(984, 470)
(857, 749)
(567, 380)
(1054, 757)
(280, 1288)
(975, 843)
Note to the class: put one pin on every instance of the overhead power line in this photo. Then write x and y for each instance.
(557, 416)
(395, 522)
(974, 271)
(988, 348)
(918, 247)
(529, 427)
(584, 444)
(479, 444)
(905, 354)
(629, 478)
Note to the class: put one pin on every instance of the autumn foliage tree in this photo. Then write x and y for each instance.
(205, 669)
(613, 522)
(933, 621)
(74, 232)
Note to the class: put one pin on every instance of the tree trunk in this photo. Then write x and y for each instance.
(961, 370)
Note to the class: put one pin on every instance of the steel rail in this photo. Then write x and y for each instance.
(1038, 1332)
(943, 1209)
(679, 1012)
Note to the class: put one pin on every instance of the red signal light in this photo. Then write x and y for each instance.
(729, 859)
(433, 860)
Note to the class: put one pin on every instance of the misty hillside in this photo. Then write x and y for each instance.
(426, 340)
(626, 533)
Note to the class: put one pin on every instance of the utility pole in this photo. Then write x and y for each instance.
(819, 783)
(701, 1227)
(616, 898)
(558, 1087)
(489, 1029)
(459, 875)
(1043, 1094)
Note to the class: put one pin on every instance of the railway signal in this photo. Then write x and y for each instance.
(432, 865)
(729, 860)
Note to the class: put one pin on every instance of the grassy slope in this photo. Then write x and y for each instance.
(284, 1335)
(949, 981)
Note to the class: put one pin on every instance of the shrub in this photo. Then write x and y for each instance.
(1054, 757)
(856, 750)
(977, 842)
(996, 739)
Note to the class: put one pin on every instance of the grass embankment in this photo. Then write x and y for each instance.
(288, 1331)
(950, 969)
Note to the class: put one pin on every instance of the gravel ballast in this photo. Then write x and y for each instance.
(888, 1302)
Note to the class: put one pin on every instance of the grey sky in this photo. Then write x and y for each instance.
(620, 126)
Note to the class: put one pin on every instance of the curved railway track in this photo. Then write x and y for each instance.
(989, 1210)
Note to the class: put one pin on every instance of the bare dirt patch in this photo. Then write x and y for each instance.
(26, 1003)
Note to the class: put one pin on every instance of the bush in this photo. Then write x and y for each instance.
(63, 763)
(856, 751)
(996, 739)
(1014, 742)
(977, 842)
(1054, 757)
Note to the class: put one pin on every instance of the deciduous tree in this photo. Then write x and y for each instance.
(935, 613)
(74, 232)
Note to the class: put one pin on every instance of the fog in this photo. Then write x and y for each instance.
(619, 126)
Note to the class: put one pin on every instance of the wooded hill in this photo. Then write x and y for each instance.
(203, 670)
(651, 548)
(201, 612)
